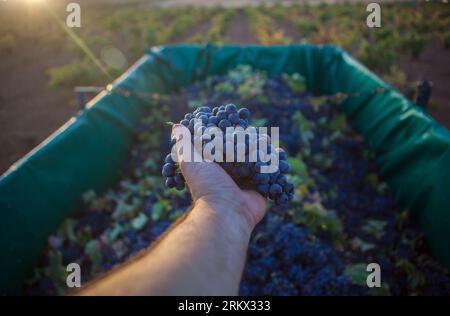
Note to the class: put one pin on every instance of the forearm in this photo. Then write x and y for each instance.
(203, 255)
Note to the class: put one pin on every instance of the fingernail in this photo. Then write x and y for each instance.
(175, 126)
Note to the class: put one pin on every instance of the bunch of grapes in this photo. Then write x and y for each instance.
(246, 173)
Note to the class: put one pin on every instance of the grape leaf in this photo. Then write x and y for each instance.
(139, 221)
(359, 244)
(157, 211)
(357, 273)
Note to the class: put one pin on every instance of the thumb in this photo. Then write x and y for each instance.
(203, 178)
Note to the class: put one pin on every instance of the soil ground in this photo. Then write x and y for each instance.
(239, 30)
(30, 111)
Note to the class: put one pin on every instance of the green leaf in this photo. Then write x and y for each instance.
(375, 228)
(258, 122)
(303, 123)
(115, 232)
(136, 201)
(139, 221)
(295, 180)
(224, 87)
(297, 166)
(316, 218)
(317, 102)
(129, 186)
(357, 273)
(56, 270)
(338, 123)
(150, 163)
(157, 211)
(336, 135)
(92, 249)
(55, 263)
(295, 81)
(244, 90)
(100, 204)
(359, 244)
(123, 210)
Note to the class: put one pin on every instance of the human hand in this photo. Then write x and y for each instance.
(204, 252)
(210, 184)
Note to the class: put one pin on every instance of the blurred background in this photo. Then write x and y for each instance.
(42, 61)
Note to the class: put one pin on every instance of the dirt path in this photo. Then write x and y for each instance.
(238, 31)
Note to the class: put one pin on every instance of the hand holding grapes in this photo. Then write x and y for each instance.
(204, 252)
(210, 184)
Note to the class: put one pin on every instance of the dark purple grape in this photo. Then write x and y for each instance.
(230, 108)
(203, 118)
(223, 124)
(212, 120)
(284, 166)
(233, 118)
(168, 170)
(244, 113)
(221, 115)
(170, 182)
(169, 159)
(275, 189)
(263, 189)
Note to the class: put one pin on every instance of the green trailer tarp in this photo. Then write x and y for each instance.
(44, 187)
